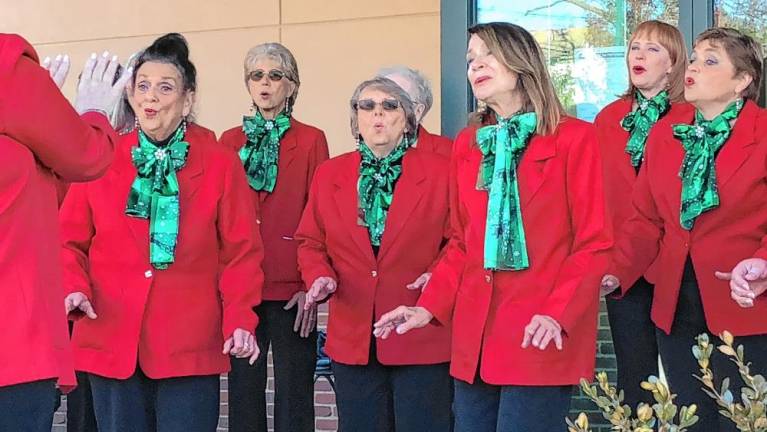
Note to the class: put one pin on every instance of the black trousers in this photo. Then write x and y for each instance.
(635, 341)
(379, 398)
(80, 415)
(294, 360)
(482, 407)
(28, 407)
(680, 365)
(142, 404)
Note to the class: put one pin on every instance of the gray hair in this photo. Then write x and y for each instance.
(420, 83)
(280, 54)
(392, 89)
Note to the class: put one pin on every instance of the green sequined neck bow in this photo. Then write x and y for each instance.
(261, 153)
(639, 122)
(702, 140)
(375, 187)
(502, 146)
(154, 193)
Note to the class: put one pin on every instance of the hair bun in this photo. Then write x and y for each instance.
(170, 45)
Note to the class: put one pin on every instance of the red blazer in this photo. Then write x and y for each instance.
(434, 143)
(331, 243)
(302, 149)
(175, 320)
(620, 176)
(40, 133)
(568, 235)
(719, 239)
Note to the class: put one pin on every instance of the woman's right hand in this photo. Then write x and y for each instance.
(79, 302)
(97, 90)
(609, 284)
(402, 320)
(320, 290)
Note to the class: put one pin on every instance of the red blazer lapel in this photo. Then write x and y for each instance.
(345, 197)
(739, 146)
(407, 194)
(532, 167)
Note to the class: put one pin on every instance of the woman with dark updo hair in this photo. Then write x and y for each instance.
(162, 260)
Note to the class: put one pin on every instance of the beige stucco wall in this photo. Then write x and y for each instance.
(337, 43)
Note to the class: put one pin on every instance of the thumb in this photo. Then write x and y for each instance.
(87, 307)
(291, 303)
(723, 275)
(228, 346)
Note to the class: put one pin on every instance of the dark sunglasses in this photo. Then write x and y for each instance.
(370, 104)
(274, 75)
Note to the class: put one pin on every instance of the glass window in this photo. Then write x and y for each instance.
(584, 42)
(747, 16)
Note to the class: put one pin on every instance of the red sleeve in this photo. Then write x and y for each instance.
(576, 287)
(313, 260)
(638, 241)
(77, 231)
(35, 113)
(241, 279)
(439, 295)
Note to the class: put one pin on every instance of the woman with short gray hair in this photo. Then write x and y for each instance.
(418, 88)
(372, 230)
(280, 155)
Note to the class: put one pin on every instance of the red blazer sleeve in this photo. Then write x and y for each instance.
(313, 260)
(241, 278)
(319, 155)
(35, 113)
(638, 242)
(439, 295)
(577, 284)
(77, 231)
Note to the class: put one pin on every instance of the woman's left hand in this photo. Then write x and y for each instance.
(305, 318)
(542, 330)
(242, 344)
(58, 68)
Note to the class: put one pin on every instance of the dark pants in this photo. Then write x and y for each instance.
(635, 342)
(142, 404)
(80, 416)
(680, 365)
(294, 361)
(379, 398)
(28, 407)
(482, 407)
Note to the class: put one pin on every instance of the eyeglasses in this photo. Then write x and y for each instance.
(273, 75)
(370, 104)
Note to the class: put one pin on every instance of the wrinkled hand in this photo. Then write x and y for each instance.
(748, 280)
(541, 331)
(305, 318)
(242, 344)
(97, 89)
(78, 302)
(58, 68)
(609, 284)
(319, 291)
(402, 320)
(420, 283)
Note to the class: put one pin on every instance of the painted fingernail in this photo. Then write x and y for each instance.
(93, 56)
(58, 57)
(66, 57)
(114, 58)
(47, 60)
(106, 54)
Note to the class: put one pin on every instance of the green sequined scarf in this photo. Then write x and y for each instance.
(154, 193)
(261, 152)
(702, 140)
(375, 187)
(639, 122)
(502, 146)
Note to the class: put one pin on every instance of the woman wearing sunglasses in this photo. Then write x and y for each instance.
(280, 155)
(370, 234)
(519, 278)
(162, 260)
(656, 60)
(699, 207)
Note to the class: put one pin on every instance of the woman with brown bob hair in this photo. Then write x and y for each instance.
(529, 237)
(656, 59)
(699, 207)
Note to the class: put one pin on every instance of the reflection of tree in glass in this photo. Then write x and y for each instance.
(747, 16)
